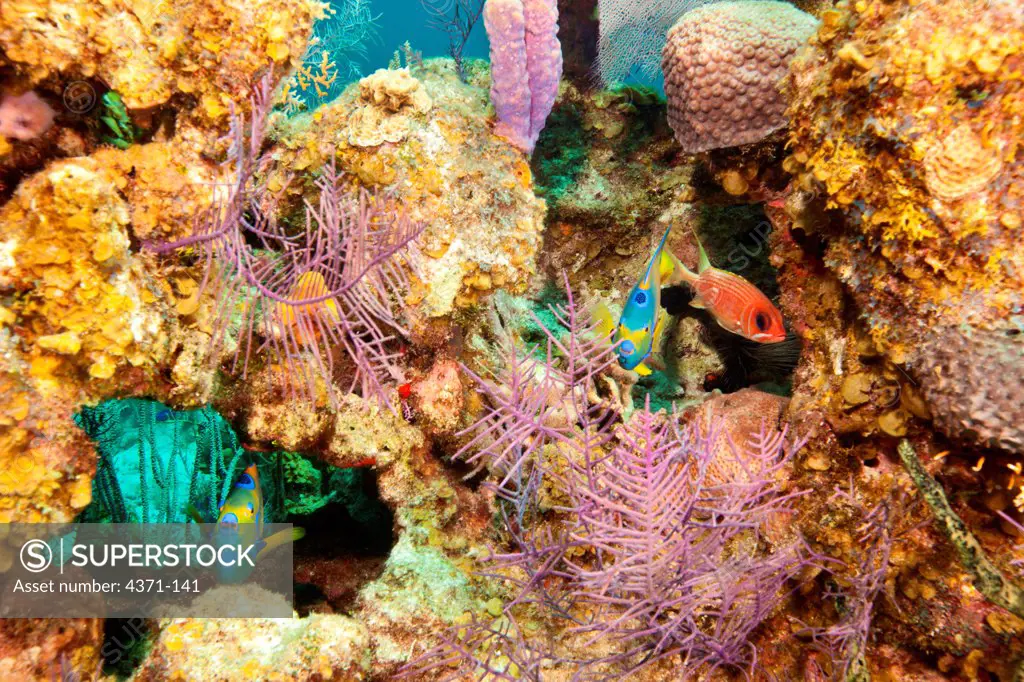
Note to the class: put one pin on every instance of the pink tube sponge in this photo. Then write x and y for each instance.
(526, 65)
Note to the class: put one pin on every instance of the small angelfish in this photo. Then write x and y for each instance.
(638, 334)
(736, 304)
(240, 521)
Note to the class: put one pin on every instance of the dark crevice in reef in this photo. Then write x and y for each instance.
(347, 542)
(126, 642)
(469, 475)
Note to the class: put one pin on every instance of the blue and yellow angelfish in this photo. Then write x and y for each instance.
(240, 520)
(637, 336)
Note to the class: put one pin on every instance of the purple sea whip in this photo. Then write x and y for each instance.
(526, 66)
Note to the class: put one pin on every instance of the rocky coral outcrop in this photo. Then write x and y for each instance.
(33, 650)
(441, 161)
(150, 52)
(84, 317)
(925, 162)
(439, 396)
(237, 649)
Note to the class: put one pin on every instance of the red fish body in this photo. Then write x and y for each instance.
(736, 304)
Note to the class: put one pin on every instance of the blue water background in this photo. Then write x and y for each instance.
(402, 20)
(408, 20)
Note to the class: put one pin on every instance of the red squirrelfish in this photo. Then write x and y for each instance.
(736, 304)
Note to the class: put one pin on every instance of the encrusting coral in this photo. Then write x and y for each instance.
(907, 116)
(207, 49)
(24, 116)
(959, 165)
(536, 511)
(386, 93)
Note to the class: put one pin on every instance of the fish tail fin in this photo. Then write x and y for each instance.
(703, 263)
(667, 267)
(602, 318)
(680, 273)
(279, 538)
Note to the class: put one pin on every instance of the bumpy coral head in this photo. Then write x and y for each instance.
(722, 66)
(24, 117)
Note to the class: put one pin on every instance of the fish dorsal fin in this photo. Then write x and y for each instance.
(702, 257)
(655, 263)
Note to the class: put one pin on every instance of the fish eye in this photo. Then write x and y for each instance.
(251, 507)
(640, 298)
(761, 320)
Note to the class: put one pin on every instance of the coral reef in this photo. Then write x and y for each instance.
(723, 64)
(83, 318)
(32, 650)
(439, 396)
(990, 581)
(924, 161)
(398, 317)
(328, 647)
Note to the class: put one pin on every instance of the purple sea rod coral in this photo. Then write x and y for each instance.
(678, 565)
(722, 65)
(308, 297)
(844, 643)
(526, 65)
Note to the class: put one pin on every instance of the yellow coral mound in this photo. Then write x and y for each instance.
(150, 50)
(908, 118)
